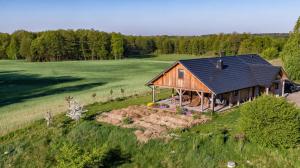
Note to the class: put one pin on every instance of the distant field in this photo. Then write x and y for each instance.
(28, 90)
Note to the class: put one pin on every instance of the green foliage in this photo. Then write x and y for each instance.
(291, 54)
(25, 48)
(179, 110)
(127, 120)
(72, 156)
(271, 121)
(4, 42)
(95, 45)
(270, 53)
(12, 49)
(117, 45)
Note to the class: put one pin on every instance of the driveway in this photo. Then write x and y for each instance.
(294, 97)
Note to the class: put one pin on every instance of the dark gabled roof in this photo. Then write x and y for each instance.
(238, 72)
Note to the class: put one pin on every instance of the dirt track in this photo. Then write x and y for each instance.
(150, 123)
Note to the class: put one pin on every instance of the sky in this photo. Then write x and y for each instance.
(151, 17)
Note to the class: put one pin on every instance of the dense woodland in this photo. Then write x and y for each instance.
(95, 45)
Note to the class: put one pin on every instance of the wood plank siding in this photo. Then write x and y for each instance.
(188, 82)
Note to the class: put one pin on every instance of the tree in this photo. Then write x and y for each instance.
(103, 45)
(117, 45)
(25, 48)
(75, 110)
(84, 49)
(12, 49)
(270, 53)
(291, 53)
(246, 47)
(4, 42)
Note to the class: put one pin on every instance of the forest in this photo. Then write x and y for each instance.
(83, 44)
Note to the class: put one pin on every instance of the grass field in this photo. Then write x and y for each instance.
(28, 90)
(202, 146)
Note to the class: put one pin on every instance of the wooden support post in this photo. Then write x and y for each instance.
(180, 97)
(153, 93)
(230, 99)
(257, 91)
(250, 94)
(202, 100)
(282, 90)
(239, 97)
(212, 102)
(267, 90)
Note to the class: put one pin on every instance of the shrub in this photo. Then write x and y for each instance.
(73, 156)
(179, 110)
(270, 53)
(127, 120)
(271, 121)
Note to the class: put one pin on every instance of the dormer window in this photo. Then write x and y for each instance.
(180, 73)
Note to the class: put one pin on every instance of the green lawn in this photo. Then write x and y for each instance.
(201, 146)
(28, 90)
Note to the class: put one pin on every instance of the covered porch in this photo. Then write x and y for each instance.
(200, 101)
(191, 100)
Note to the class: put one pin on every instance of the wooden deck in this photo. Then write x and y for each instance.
(186, 105)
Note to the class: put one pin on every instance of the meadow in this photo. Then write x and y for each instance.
(28, 90)
(209, 145)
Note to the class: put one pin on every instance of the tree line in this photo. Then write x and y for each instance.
(85, 44)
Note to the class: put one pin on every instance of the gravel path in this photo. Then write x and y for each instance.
(294, 97)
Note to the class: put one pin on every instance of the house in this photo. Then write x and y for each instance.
(227, 80)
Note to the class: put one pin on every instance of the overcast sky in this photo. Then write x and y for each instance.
(151, 17)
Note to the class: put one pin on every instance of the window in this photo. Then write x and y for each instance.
(276, 85)
(180, 73)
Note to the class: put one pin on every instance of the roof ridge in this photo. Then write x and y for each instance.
(213, 57)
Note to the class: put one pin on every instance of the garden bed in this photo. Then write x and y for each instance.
(150, 122)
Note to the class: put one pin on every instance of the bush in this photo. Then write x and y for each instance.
(270, 53)
(127, 120)
(72, 156)
(180, 110)
(271, 121)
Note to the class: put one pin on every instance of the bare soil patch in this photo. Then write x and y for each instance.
(150, 122)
